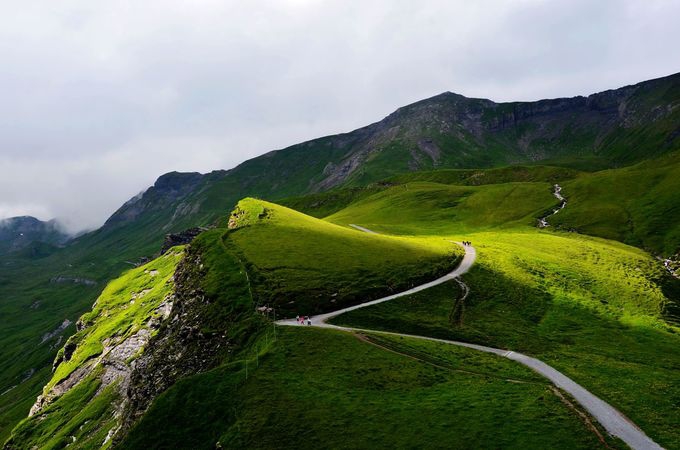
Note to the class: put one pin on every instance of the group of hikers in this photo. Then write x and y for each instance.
(467, 243)
(302, 319)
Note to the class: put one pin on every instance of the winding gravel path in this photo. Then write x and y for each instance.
(609, 417)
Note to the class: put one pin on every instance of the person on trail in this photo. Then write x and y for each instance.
(297, 318)
(309, 320)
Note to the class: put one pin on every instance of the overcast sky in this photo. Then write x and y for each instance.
(100, 98)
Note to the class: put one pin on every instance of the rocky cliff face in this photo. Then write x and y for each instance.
(97, 363)
(169, 189)
(181, 238)
(182, 347)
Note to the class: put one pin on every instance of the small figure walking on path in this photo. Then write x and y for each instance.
(309, 320)
(297, 318)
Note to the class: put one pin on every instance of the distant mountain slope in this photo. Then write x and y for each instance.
(17, 233)
(608, 129)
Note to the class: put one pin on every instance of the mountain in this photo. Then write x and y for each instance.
(608, 129)
(43, 297)
(18, 233)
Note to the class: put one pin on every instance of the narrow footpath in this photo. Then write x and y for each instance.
(609, 417)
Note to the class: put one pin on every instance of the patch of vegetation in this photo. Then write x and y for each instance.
(320, 388)
(323, 204)
(304, 265)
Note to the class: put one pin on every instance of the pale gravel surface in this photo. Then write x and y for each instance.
(611, 419)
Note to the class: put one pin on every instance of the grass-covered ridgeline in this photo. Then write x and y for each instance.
(638, 205)
(593, 309)
(304, 265)
(318, 388)
(478, 177)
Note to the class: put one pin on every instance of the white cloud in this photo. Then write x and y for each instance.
(101, 98)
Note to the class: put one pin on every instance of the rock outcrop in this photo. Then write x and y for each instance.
(181, 238)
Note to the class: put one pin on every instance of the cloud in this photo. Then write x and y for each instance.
(99, 99)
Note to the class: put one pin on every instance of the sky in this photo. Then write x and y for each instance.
(98, 99)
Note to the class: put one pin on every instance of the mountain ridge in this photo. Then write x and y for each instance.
(469, 133)
(18, 233)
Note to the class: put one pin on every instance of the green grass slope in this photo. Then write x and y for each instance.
(639, 205)
(594, 309)
(610, 128)
(317, 388)
(476, 177)
(304, 265)
(433, 208)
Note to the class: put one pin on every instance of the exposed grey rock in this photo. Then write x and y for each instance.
(75, 280)
(181, 238)
(167, 190)
(57, 331)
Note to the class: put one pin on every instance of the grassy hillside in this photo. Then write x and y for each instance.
(304, 265)
(639, 205)
(476, 177)
(594, 309)
(317, 388)
(431, 208)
